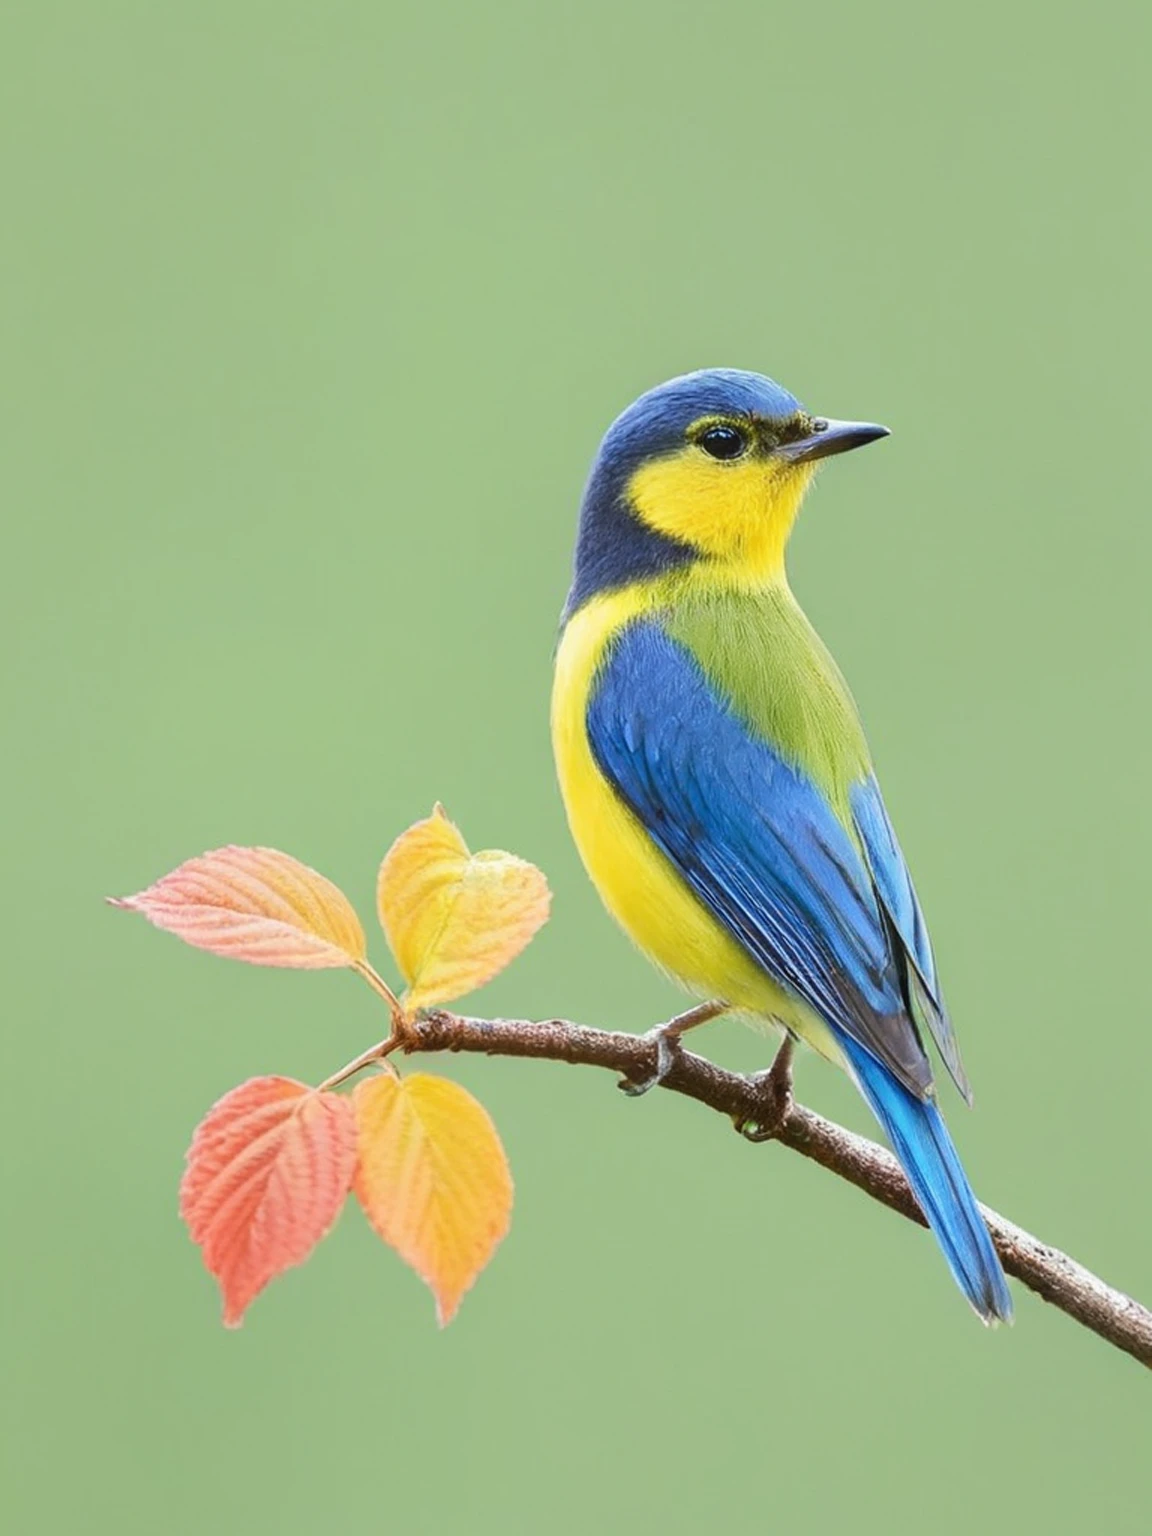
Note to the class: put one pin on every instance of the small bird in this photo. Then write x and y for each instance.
(716, 776)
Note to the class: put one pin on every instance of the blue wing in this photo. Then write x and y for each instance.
(839, 928)
(913, 948)
(757, 843)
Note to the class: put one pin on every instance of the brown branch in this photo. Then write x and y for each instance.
(754, 1104)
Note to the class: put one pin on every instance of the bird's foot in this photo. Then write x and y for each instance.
(668, 1048)
(775, 1090)
(665, 1040)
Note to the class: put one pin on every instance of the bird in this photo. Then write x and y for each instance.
(717, 781)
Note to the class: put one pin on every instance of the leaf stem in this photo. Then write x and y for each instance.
(366, 1058)
(402, 1032)
(372, 976)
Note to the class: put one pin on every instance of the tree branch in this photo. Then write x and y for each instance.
(750, 1102)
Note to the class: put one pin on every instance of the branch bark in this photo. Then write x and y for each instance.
(751, 1103)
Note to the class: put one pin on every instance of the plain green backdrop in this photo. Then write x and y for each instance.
(313, 316)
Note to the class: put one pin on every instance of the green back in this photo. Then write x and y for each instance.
(764, 657)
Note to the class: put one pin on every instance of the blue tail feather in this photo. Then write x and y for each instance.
(921, 1142)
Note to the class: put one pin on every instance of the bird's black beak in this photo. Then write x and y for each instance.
(829, 437)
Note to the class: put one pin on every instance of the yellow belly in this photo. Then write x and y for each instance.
(637, 884)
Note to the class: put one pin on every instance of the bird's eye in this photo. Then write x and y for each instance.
(724, 442)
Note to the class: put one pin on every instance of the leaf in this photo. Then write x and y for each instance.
(268, 1170)
(432, 1178)
(255, 904)
(455, 919)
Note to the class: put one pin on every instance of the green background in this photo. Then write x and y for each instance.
(313, 316)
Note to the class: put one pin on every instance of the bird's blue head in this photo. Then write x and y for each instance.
(708, 468)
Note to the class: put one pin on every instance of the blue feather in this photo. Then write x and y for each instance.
(894, 887)
(918, 1136)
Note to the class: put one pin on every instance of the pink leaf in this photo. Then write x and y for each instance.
(254, 904)
(268, 1170)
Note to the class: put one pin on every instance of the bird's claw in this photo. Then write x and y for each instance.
(774, 1089)
(668, 1049)
(766, 1127)
(666, 1039)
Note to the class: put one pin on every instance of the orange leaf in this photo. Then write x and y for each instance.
(432, 1178)
(255, 904)
(454, 918)
(268, 1170)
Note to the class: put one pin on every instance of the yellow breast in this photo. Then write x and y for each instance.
(635, 881)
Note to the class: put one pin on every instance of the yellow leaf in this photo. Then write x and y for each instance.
(455, 919)
(432, 1178)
